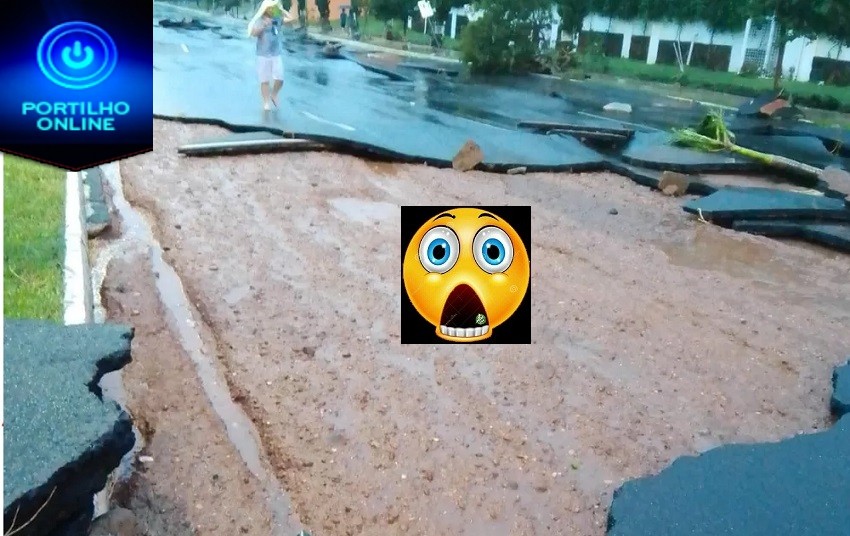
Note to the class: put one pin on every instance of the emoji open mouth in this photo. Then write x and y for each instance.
(463, 315)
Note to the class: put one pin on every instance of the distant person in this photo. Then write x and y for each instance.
(266, 27)
(353, 14)
(343, 17)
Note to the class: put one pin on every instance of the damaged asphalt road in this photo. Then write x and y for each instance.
(61, 439)
(797, 486)
(382, 105)
(338, 101)
(653, 338)
(400, 109)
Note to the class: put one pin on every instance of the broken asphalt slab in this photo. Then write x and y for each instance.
(399, 67)
(503, 149)
(582, 127)
(798, 487)
(247, 143)
(742, 203)
(840, 402)
(376, 66)
(831, 235)
(187, 24)
(806, 149)
(655, 150)
(835, 139)
(606, 138)
(439, 68)
(61, 440)
(651, 178)
(837, 180)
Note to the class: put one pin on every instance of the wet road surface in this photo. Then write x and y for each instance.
(200, 74)
(416, 115)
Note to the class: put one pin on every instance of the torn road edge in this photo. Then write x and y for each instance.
(839, 403)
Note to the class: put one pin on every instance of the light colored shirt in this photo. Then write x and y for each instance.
(268, 42)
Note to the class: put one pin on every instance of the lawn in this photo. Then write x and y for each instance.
(826, 97)
(33, 221)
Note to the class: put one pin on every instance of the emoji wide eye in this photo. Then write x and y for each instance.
(439, 250)
(493, 250)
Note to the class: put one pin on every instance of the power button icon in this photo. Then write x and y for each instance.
(77, 55)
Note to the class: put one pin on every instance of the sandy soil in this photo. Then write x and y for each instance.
(195, 483)
(654, 336)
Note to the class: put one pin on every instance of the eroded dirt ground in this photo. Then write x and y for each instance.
(654, 336)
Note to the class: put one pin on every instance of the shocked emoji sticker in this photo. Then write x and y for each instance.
(466, 271)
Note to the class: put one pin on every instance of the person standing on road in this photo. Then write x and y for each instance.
(266, 27)
(353, 16)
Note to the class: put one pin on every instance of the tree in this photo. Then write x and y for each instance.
(794, 18)
(386, 10)
(503, 39)
(572, 13)
(324, 8)
(722, 15)
(302, 13)
(443, 7)
(833, 19)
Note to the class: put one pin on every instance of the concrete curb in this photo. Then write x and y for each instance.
(77, 277)
(97, 215)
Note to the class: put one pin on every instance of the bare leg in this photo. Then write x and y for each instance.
(275, 90)
(264, 91)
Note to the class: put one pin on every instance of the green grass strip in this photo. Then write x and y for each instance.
(34, 214)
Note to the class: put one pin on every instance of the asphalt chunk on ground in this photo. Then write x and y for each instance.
(796, 486)
(61, 439)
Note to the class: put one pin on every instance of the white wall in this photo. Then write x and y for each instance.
(665, 31)
(465, 11)
(801, 52)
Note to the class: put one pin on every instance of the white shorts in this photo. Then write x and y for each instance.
(269, 68)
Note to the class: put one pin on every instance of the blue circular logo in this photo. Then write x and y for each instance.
(77, 55)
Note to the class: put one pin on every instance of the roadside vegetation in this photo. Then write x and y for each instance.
(34, 198)
(824, 97)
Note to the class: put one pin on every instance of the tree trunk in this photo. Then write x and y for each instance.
(780, 56)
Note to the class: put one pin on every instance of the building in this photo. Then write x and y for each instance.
(754, 48)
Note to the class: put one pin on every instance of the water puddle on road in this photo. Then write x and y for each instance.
(742, 258)
(136, 235)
